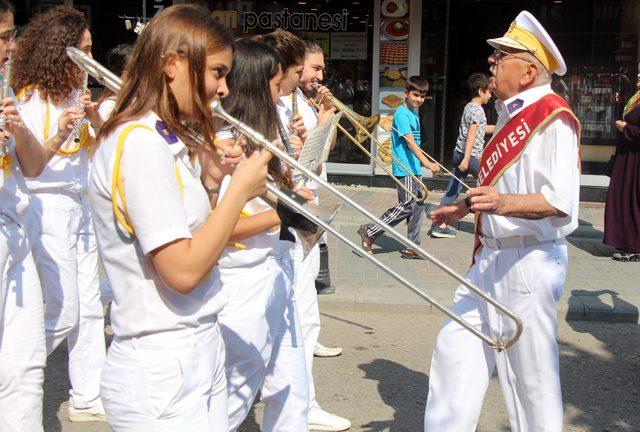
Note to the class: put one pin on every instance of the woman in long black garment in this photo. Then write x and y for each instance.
(622, 211)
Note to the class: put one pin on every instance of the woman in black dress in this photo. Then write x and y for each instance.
(622, 211)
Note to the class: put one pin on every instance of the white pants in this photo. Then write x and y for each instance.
(23, 351)
(529, 281)
(307, 304)
(66, 255)
(166, 382)
(264, 347)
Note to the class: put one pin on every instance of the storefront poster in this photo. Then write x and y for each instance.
(321, 39)
(349, 46)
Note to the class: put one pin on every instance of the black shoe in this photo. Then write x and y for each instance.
(624, 256)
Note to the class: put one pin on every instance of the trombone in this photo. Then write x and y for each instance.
(365, 128)
(498, 343)
(275, 194)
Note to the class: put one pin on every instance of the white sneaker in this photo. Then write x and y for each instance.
(320, 420)
(323, 351)
(93, 414)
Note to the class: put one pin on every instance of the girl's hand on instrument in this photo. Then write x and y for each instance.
(15, 125)
(620, 124)
(449, 213)
(91, 110)
(67, 121)
(213, 168)
(305, 193)
(231, 151)
(4, 139)
(296, 145)
(250, 176)
(326, 115)
(298, 125)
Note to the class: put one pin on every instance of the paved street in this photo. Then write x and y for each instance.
(388, 333)
(380, 382)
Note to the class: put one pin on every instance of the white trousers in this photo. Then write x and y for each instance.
(264, 346)
(66, 255)
(167, 382)
(529, 281)
(306, 296)
(23, 351)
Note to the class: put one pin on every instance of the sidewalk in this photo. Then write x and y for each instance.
(597, 288)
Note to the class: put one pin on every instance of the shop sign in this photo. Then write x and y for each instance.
(229, 19)
(296, 21)
(348, 46)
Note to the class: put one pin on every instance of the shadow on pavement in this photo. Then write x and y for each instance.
(601, 386)
(403, 389)
(56, 387)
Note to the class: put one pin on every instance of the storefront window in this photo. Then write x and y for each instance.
(342, 28)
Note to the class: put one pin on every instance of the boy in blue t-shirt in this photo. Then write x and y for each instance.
(406, 149)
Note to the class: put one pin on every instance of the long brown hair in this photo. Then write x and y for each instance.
(254, 64)
(41, 60)
(181, 30)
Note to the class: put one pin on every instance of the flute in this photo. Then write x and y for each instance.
(77, 127)
(4, 93)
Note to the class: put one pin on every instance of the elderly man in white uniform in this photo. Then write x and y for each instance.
(306, 270)
(527, 203)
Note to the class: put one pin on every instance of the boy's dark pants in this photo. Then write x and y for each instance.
(407, 208)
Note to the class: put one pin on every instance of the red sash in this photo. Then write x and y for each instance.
(508, 144)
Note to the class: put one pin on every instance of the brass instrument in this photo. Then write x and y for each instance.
(275, 193)
(499, 344)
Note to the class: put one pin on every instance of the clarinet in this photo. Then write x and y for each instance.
(4, 93)
(77, 127)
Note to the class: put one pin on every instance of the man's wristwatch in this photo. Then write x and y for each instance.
(467, 202)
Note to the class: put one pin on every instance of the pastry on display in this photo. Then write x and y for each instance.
(393, 101)
(394, 53)
(386, 122)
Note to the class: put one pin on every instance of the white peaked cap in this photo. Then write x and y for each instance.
(526, 33)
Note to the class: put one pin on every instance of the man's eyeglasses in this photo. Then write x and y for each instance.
(9, 35)
(500, 55)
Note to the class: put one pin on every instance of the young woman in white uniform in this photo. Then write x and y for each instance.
(159, 239)
(47, 82)
(259, 324)
(22, 341)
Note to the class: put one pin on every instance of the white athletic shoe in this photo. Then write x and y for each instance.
(93, 414)
(323, 351)
(320, 420)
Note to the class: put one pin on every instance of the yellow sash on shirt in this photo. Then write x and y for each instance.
(117, 186)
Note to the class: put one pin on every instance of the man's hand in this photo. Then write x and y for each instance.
(434, 167)
(449, 213)
(620, 124)
(485, 199)
(324, 97)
